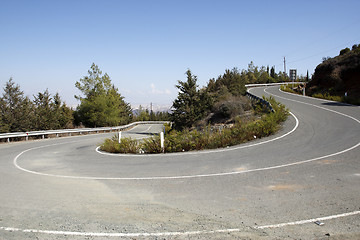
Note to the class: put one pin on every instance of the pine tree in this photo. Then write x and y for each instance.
(16, 110)
(307, 75)
(234, 82)
(4, 123)
(51, 113)
(44, 117)
(101, 105)
(118, 112)
(62, 114)
(191, 104)
(272, 72)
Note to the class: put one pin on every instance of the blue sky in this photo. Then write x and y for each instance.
(146, 46)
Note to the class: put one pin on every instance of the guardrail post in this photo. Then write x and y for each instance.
(162, 140)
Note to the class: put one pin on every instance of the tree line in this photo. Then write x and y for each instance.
(143, 114)
(101, 104)
(19, 114)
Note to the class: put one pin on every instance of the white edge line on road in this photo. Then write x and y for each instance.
(184, 176)
(203, 175)
(103, 234)
(164, 234)
(241, 146)
(327, 109)
(320, 99)
(160, 178)
(214, 151)
(94, 234)
(308, 221)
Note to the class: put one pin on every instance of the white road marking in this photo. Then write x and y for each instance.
(15, 162)
(308, 221)
(97, 234)
(101, 234)
(184, 176)
(327, 109)
(201, 175)
(320, 99)
(146, 129)
(205, 151)
(167, 234)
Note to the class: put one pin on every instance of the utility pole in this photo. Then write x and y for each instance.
(151, 112)
(284, 67)
(307, 75)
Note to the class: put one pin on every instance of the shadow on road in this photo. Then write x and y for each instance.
(338, 104)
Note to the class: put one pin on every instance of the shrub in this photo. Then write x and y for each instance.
(151, 145)
(328, 97)
(229, 108)
(127, 145)
(292, 88)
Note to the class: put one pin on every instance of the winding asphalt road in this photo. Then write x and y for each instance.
(270, 188)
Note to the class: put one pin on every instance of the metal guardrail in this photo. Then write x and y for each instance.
(270, 84)
(69, 132)
(261, 100)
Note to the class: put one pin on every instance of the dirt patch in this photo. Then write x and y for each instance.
(284, 187)
(327, 161)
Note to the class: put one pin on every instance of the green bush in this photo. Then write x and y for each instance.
(127, 145)
(337, 98)
(290, 88)
(230, 107)
(151, 145)
(328, 97)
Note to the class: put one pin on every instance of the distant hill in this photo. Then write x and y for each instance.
(337, 76)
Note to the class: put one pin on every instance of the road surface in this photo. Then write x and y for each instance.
(270, 188)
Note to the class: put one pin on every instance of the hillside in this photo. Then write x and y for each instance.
(337, 76)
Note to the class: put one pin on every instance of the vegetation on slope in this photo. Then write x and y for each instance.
(338, 78)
